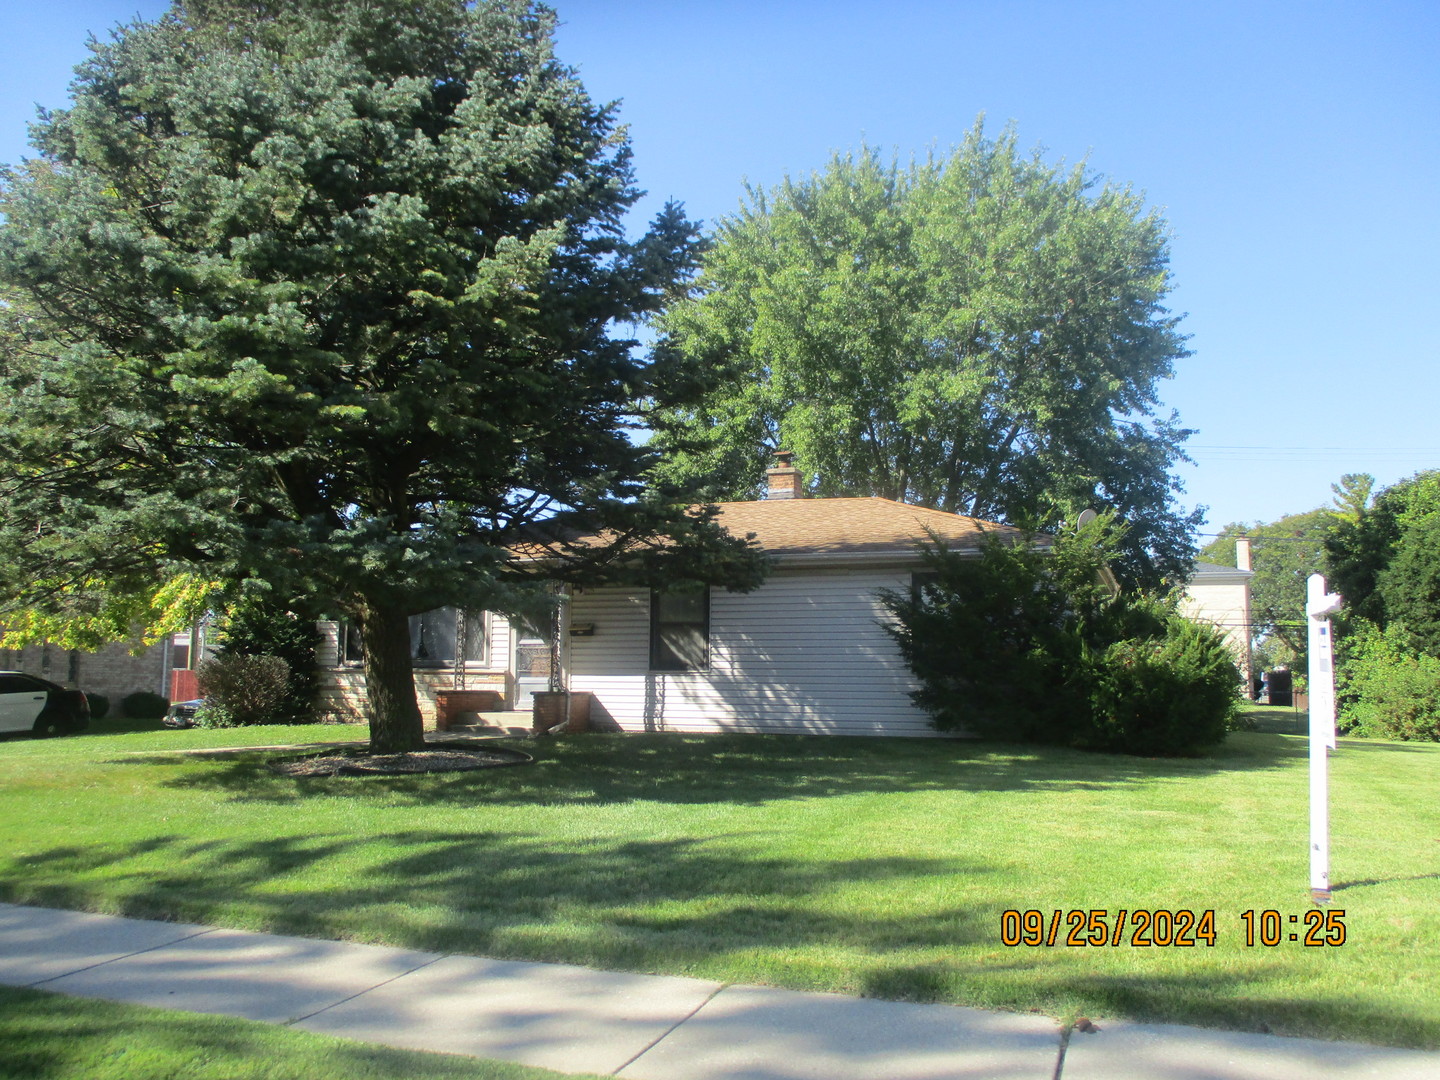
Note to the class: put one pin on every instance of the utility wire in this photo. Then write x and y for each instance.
(1327, 449)
(1384, 455)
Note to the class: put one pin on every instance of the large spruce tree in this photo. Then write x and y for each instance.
(324, 294)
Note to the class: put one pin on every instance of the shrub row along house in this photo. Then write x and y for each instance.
(805, 652)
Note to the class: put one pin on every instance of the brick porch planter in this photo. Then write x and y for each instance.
(451, 703)
(553, 706)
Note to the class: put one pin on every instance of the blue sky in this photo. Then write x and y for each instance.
(1293, 147)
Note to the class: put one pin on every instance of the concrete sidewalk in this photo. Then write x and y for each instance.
(644, 1027)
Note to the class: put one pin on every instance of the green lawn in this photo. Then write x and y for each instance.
(864, 866)
(53, 1037)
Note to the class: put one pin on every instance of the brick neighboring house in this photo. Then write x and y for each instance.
(114, 671)
(486, 656)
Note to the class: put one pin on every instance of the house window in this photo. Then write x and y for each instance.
(680, 629)
(435, 638)
(352, 650)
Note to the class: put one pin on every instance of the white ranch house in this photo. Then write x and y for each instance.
(803, 653)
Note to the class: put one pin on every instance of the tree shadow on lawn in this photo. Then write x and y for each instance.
(122, 725)
(603, 901)
(736, 769)
(687, 906)
(50, 1036)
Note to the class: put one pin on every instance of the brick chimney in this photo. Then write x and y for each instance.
(1242, 553)
(783, 480)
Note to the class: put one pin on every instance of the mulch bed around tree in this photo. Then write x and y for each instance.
(439, 759)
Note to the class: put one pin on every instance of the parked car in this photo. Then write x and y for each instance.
(29, 703)
(181, 714)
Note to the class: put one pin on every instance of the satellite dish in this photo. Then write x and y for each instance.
(1086, 516)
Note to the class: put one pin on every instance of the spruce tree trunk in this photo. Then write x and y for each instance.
(395, 723)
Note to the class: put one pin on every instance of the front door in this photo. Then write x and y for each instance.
(532, 666)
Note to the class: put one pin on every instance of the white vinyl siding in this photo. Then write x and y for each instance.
(804, 653)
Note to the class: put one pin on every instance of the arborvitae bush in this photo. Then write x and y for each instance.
(246, 689)
(256, 625)
(1030, 643)
(143, 704)
(1174, 694)
(99, 705)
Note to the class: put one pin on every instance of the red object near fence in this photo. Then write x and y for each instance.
(184, 686)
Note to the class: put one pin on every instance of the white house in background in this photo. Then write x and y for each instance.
(805, 652)
(1220, 595)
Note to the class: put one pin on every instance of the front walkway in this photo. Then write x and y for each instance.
(645, 1027)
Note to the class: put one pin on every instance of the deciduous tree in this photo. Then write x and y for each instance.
(1386, 563)
(983, 333)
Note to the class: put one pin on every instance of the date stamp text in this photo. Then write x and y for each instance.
(1166, 928)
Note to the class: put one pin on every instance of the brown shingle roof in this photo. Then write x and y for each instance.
(850, 526)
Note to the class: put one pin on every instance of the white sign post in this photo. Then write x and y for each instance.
(1318, 605)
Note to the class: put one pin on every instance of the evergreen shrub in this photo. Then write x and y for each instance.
(256, 625)
(99, 705)
(1173, 694)
(1029, 642)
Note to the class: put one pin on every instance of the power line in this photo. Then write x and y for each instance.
(1320, 449)
(1344, 458)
